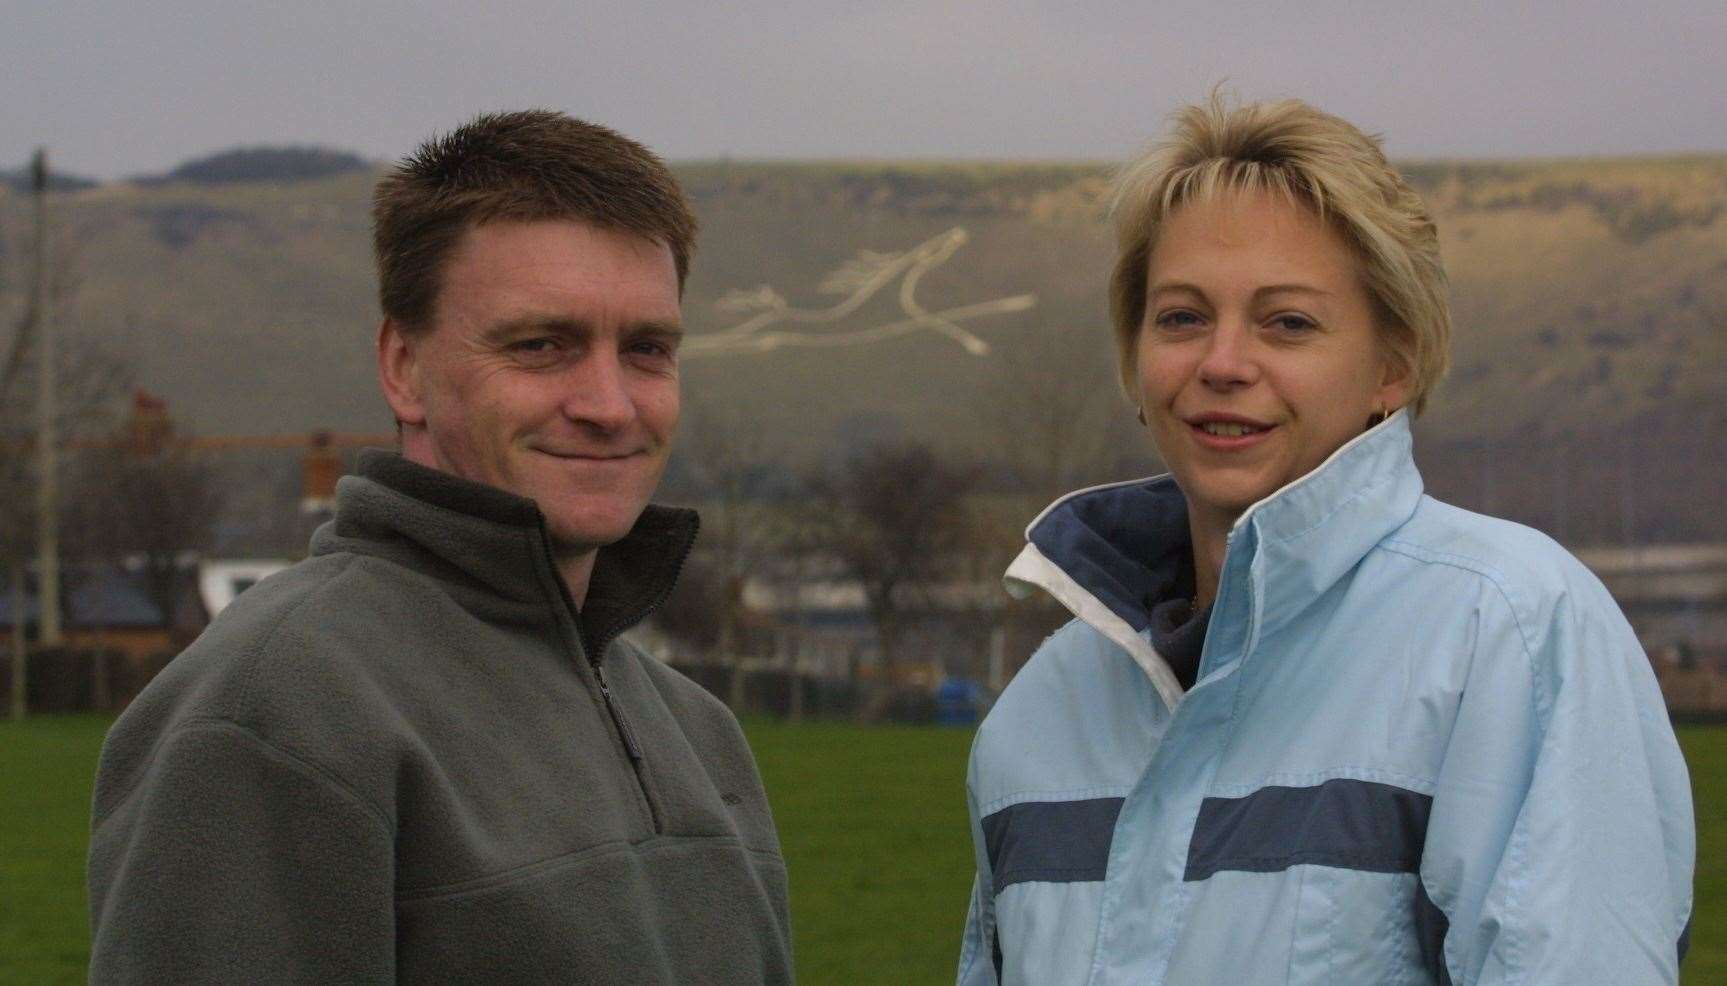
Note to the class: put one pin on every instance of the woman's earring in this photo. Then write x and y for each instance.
(1140, 414)
(1380, 413)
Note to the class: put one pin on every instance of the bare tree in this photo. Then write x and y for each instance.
(894, 516)
(91, 376)
(1056, 402)
(147, 507)
(91, 379)
(730, 461)
(88, 377)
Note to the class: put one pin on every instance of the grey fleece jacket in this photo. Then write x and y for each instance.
(395, 762)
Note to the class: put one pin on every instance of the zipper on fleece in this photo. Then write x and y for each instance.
(631, 748)
(626, 735)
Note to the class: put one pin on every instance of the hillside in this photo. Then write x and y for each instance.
(1591, 304)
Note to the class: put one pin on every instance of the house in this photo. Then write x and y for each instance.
(106, 608)
(219, 581)
(117, 633)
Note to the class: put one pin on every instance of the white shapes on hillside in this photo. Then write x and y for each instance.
(763, 298)
(858, 280)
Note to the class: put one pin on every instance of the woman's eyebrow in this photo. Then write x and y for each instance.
(1175, 287)
(1270, 289)
(1183, 287)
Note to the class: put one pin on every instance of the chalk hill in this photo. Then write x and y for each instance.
(1590, 296)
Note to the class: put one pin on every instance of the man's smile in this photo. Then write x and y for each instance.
(589, 456)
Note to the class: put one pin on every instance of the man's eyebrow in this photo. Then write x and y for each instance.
(656, 327)
(522, 324)
(511, 328)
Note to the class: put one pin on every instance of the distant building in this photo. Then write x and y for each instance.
(219, 581)
(1675, 596)
(110, 609)
(117, 634)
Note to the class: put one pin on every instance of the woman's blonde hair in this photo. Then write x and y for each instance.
(1318, 160)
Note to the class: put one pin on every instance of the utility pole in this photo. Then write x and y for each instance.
(47, 442)
(20, 664)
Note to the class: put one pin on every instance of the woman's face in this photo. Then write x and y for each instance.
(1258, 356)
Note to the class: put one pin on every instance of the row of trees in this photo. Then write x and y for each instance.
(922, 532)
(890, 517)
(125, 498)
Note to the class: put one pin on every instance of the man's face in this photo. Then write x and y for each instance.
(550, 370)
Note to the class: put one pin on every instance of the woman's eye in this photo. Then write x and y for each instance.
(1293, 323)
(1178, 319)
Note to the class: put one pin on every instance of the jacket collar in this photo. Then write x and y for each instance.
(1296, 544)
(1101, 552)
(490, 548)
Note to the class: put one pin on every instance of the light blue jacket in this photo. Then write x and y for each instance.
(1424, 746)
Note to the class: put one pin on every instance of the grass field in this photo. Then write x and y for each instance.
(45, 770)
(872, 821)
(1706, 755)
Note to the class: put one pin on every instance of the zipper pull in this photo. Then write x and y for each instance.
(630, 745)
(624, 732)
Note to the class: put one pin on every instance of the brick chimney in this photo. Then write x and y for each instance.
(320, 468)
(148, 429)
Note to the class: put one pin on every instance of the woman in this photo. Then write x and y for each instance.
(1311, 726)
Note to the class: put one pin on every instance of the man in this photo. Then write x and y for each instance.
(424, 754)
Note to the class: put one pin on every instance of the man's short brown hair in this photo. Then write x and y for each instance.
(523, 166)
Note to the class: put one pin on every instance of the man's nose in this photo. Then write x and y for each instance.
(598, 392)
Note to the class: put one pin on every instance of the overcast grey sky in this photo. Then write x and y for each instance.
(118, 88)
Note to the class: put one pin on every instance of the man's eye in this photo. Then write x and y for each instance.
(652, 348)
(532, 346)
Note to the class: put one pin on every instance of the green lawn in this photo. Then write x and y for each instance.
(872, 819)
(1706, 755)
(45, 771)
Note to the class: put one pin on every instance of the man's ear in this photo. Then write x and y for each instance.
(399, 373)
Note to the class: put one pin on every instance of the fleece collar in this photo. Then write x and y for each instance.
(1103, 552)
(489, 547)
